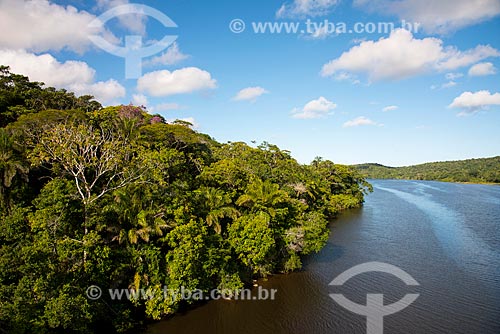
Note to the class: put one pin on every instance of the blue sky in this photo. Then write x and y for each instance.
(395, 98)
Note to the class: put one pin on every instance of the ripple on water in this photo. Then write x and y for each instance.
(460, 243)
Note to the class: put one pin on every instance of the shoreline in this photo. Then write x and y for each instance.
(457, 182)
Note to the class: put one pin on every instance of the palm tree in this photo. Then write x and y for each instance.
(262, 196)
(149, 224)
(136, 218)
(10, 167)
(217, 205)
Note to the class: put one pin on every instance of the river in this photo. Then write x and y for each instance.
(445, 235)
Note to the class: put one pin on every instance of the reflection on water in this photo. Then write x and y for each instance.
(447, 236)
(459, 241)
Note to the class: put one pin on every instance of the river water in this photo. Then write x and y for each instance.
(445, 235)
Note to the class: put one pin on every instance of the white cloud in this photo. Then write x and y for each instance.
(172, 56)
(482, 69)
(140, 100)
(314, 109)
(453, 76)
(182, 81)
(401, 56)
(449, 84)
(359, 121)
(46, 68)
(390, 108)
(441, 16)
(41, 26)
(135, 23)
(250, 94)
(106, 92)
(303, 8)
(471, 103)
(454, 59)
(75, 76)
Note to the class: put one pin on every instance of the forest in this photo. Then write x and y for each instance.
(119, 198)
(485, 170)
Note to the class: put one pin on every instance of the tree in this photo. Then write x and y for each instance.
(263, 196)
(99, 161)
(217, 205)
(20, 96)
(252, 240)
(11, 165)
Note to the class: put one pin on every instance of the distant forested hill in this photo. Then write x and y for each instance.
(485, 170)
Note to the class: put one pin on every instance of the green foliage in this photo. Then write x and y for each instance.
(12, 168)
(252, 240)
(118, 198)
(67, 311)
(485, 170)
(19, 96)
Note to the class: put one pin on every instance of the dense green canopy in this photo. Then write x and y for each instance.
(118, 198)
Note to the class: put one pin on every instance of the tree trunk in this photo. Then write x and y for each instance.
(85, 232)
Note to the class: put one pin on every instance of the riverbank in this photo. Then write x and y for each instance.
(444, 181)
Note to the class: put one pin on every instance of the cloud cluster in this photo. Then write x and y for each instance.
(250, 94)
(449, 84)
(471, 103)
(441, 16)
(401, 55)
(453, 76)
(360, 121)
(140, 100)
(107, 92)
(182, 81)
(41, 26)
(390, 108)
(314, 109)
(482, 69)
(75, 76)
